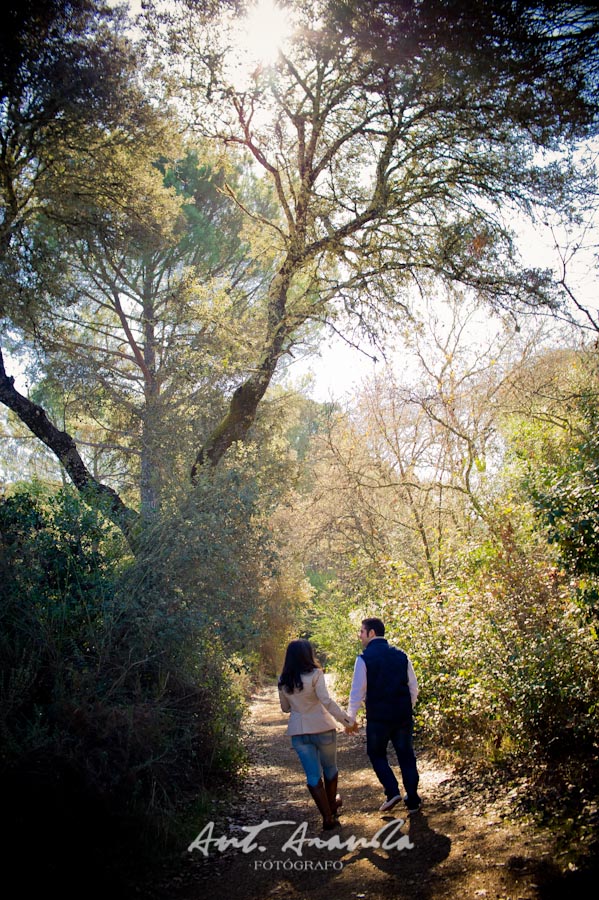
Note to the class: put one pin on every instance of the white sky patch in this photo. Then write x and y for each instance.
(255, 41)
(264, 31)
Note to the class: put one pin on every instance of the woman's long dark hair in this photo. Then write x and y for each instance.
(299, 660)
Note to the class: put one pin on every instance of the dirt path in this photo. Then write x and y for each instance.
(456, 847)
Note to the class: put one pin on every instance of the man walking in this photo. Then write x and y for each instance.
(385, 679)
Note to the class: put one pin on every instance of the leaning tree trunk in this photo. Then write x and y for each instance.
(64, 448)
(244, 403)
(235, 424)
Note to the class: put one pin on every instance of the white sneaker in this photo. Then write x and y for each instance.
(389, 804)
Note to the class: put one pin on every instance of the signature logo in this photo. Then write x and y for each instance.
(389, 837)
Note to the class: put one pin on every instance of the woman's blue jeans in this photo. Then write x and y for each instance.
(317, 754)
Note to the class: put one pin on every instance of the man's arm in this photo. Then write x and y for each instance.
(412, 683)
(357, 694)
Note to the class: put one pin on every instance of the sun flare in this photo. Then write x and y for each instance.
(264, 30)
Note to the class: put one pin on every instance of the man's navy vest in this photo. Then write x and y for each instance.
(387, 692)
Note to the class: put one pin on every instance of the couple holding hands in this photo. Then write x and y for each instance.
(384, 679)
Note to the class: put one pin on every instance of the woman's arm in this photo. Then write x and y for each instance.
(327, 701)
(284, 700)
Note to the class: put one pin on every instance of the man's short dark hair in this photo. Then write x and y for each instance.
(375, 625)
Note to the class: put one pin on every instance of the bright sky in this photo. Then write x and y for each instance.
(336, 373)
(339, 370)
(264, 30)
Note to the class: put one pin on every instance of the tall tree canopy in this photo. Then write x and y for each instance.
(78, 139)
(394, 142)
(160, 326)
(399, 138)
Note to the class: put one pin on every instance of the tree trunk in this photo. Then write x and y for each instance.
(245, 401)
(150, 480)
(64, 448)
(236, 423)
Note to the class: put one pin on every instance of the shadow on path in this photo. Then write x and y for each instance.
(456, 847)
(297, 859)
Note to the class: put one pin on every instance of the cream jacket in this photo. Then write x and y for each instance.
(312, 709)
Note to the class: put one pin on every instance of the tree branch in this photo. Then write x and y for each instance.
(64, 448)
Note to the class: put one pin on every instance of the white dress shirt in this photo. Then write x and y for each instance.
(357, 693)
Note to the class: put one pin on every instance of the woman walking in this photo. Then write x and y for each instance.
(304, 694)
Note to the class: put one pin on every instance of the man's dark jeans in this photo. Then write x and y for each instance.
(378, 735)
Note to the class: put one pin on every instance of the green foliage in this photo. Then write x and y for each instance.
(285, 605)
(209, 233)
(212, 553)
(334, 629)
(72, 109)
(564, 489)
(553, 464)
(117, 706)
(507, 670)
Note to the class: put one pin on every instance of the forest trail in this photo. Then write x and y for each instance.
(458, 846)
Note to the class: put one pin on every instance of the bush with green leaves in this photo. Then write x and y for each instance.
(333, 629)
(507, 669)
(552, 463)
(117, 703)
(565, 493)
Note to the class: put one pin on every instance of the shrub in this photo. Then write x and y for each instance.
(117, 707)
(507, 669)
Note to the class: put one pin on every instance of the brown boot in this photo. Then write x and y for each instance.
(335, 801)
(319, 795)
